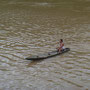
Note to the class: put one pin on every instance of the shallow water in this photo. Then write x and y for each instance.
(32, 28)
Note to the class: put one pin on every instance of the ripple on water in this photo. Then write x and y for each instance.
(24, 31)
(3, 32)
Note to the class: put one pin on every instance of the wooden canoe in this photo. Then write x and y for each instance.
(48, 54)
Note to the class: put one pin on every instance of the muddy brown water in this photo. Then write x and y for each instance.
(32, 28)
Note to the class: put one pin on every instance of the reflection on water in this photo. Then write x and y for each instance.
(33, 28)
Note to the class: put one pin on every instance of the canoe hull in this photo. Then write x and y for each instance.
(48, 55)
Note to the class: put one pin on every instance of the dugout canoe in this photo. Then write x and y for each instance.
(48, 54)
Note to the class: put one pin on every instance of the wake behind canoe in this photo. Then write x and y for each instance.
(47, 55)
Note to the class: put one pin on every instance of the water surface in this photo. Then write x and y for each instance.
(30, 28)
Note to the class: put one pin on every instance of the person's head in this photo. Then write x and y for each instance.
(61, 40)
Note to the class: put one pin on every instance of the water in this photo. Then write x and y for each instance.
(30, 28)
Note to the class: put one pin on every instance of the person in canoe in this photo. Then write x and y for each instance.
(61, 45)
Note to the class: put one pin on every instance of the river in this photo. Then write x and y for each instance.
(30, 28)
